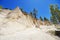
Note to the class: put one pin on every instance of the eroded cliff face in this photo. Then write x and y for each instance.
(19, 20)
(17, 25)
(21, 17)
(15, 18)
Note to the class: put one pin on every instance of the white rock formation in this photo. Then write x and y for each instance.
(14, 25)
(28, 34)
(16, 19)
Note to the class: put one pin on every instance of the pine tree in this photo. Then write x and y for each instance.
(41, 18)
(53, 14)
(57, 12)
(53, 20)
(45, 19)
(34, 13)
(22, 9)
(31, 14)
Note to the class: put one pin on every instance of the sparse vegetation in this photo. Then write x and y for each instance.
(45, 19)
(41, 18)
(34, 13)
(0, 7)
(55, 14)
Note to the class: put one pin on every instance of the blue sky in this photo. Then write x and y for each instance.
(28, 5)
